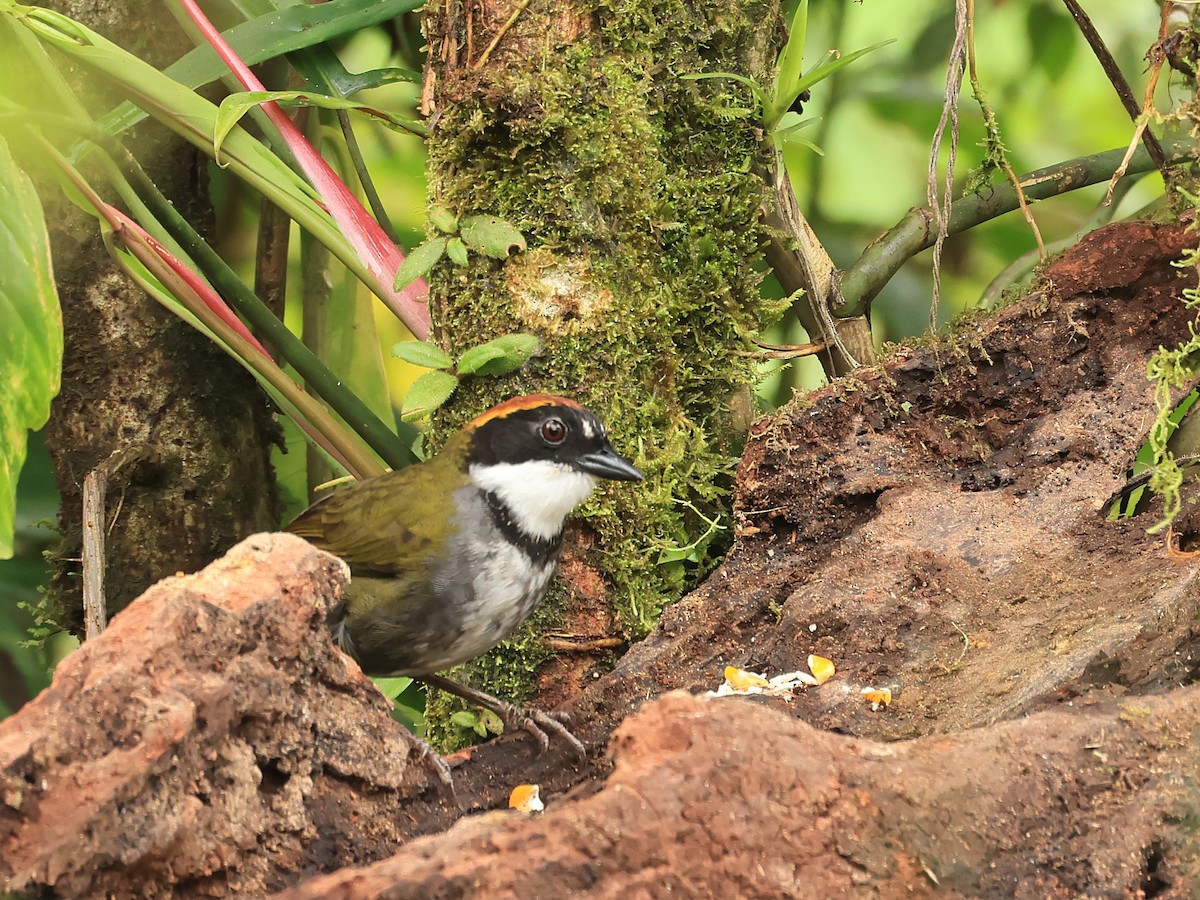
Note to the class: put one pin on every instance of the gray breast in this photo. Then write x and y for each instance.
(457, 608)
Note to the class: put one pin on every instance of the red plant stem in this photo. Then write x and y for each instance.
(380, 255)
(121, 222)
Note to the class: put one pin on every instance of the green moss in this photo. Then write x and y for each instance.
(637, 192)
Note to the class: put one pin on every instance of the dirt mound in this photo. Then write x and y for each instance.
(936, 526)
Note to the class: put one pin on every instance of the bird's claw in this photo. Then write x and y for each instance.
(433, 762)
(538, 723)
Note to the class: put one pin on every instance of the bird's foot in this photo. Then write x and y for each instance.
(534, 721)
(537, 723)
(433, 762)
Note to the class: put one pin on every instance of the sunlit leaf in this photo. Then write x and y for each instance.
(393, 687)
(31, 338)
(791, 64)
(235, 106)
(292, 28)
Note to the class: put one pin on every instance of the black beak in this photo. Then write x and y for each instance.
(607, 463)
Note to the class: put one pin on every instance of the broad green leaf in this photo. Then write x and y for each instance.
(339, 327)
(194, 118)
(499, 357)
(31, 338)
(393, 687)
(427, 393)
(457, 251)
(423, 258)
(422, 353)
(442, 219)
(235, 106)
(491, 236)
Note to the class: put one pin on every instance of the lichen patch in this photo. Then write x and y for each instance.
(557, 296)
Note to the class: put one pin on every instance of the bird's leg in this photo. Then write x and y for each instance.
(534, 721)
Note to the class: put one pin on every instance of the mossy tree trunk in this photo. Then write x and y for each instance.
(636, 189)
(139, 382)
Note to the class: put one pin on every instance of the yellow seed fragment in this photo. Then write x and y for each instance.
(740, 679)
(877, 697)
(526, 798)
(821, 668)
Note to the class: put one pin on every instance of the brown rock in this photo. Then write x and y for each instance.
(727, 798)
(211, 742)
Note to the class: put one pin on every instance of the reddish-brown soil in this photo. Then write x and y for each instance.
(937, 526)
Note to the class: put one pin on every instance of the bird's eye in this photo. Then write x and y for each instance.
(554, 432)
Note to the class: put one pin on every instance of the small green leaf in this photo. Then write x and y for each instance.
(457, 251)
(471, 360)
(423, 258)
(678, 554)
(427, 393)
(464, 719)
(422, 353)
(492, 723)
(491, 236)
(499, 357)
(442, 219)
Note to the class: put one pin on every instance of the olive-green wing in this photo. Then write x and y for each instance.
(384, 525)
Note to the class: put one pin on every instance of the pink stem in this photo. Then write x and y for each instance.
(380, 255)
(201, 287)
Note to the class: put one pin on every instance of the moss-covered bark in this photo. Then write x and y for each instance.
(635, 187)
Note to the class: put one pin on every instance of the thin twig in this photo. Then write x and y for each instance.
(95, 486)
(788, 351)
(95, 613)
(1118, 80)
(487, 51)
(941, 209)
(993, 132)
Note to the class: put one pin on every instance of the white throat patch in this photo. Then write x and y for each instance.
(539, 494)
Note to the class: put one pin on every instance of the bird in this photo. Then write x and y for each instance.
(448, 556)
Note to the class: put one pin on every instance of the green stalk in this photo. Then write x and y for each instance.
(316, 375)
